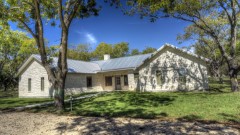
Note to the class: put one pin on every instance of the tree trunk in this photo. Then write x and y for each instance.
(233, 80)
(59, 94)
(220, 79)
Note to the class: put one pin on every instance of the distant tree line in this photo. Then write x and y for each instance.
(86, 53)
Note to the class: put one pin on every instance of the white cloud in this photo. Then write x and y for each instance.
(90, 38)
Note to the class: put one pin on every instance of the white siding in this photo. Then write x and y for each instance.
(171, 60)
(34, 71)
(76, 83)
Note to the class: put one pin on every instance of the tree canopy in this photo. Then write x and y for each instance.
(15, 47)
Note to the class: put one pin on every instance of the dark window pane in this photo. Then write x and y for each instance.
(125, 80)
(29, 84)
(108, 81)
(42, 83)
(89, 81)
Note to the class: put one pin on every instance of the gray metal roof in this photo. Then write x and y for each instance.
(77, 66)
(122, 63)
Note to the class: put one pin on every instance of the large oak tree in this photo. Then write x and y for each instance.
(31, 15)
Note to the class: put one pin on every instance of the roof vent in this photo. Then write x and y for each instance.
(107, 56)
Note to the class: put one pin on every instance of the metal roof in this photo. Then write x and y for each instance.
(77, 66)
(130, 62)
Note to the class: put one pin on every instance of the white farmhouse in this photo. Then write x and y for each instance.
(167, 69)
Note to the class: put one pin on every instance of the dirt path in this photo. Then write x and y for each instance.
(22, 123)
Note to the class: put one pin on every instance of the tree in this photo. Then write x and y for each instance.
(81, 52)
(15, 47)
(205, 47)
(135, 52)
(149, 50)
(120, 50)
(116, 50)
(196, 12)
(28, 13)
(102, 48)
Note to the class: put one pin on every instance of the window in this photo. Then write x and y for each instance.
(160, 77)
(108, 81)
(42, 83)
(182, 75)
(89, 81)
(125, 80)
(136, 75)
(29, 84)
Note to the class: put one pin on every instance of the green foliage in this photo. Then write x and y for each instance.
(115, 50)
(81, 52)
(120, 50)
(102, 48)
(149, 50)
(135, 52)
(15, 47)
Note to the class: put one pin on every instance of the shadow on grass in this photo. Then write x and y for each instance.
(231, 118)
(117, 104)
(123, 105)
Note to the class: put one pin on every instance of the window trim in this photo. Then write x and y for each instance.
(89, 78)
(107, 78)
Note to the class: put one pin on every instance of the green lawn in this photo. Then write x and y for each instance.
(7, 103)
(9, 99)
(219, 104)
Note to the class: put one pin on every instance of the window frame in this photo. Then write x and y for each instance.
(87, 79)
(108, 80)
(182, 77)
(125, 80)
(42, 84)
(160, 78)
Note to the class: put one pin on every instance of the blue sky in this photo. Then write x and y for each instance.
(111, 26)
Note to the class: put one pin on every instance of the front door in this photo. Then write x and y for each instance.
(118, 83)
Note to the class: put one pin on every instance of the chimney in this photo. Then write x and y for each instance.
(107, 57)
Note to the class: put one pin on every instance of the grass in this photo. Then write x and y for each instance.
(9, 99)
(8, 103)
(218, 104)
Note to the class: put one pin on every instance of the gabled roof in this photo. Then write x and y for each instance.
(175, 48)
(123, 63)
(77, 66)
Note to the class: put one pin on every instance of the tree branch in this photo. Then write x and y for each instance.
(72, 14)
(228, 15)
(28, 28)
(61, 15)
